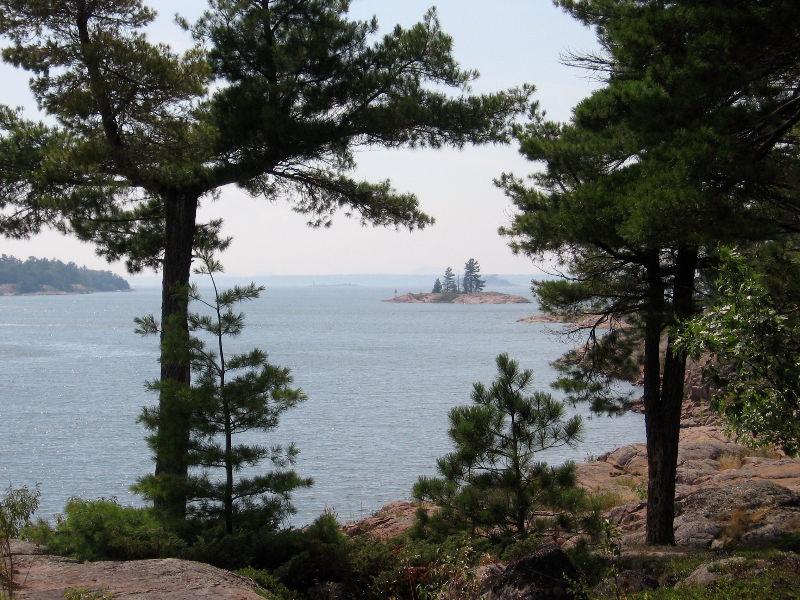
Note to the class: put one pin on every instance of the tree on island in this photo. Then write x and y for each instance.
(437, 286)
(233, 394)
(472, 281)
(449, 282)
(492, 481)
(275, 97)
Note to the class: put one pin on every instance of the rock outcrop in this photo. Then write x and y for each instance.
(545, 575)
(477, 298)
(577, 322)
(725, 492)
(43, 577)
(389, 522)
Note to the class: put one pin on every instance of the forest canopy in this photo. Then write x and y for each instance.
(42, 275)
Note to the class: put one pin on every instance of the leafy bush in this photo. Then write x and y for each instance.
(269, 583)
(16, 508)
(323, 557)
(105, 530)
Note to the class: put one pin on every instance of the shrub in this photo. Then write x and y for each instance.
(323, 556)
(105, 530)
(268, 582)
(16, 508)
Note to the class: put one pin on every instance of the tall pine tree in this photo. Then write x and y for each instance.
(634, 205)
(449, 281)
(473, 283)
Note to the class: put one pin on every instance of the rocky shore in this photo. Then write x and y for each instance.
(578, 322)
(476, 298)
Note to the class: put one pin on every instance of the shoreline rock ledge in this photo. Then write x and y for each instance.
(473, 298)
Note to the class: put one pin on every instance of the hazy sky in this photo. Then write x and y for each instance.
(509, 41)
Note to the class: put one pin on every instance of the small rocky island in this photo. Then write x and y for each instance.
(40, 276)
(459, 298)
(462, 289)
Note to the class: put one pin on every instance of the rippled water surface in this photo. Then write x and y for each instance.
(380, 379)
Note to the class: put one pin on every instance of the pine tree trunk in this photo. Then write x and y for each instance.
(172, 437)
(654, 319)
(663, 419)
(228, 474)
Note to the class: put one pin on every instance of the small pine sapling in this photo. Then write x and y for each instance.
(231, 393)
(492, 483)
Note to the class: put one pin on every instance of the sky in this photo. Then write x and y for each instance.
(510, 42)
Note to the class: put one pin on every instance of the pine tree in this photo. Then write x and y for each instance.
(232, 394)
(437, 286)
(491, 481)
(473, 283)
(449, 282)
(635, 206)
(274, 98)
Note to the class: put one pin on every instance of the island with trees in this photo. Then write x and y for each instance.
(40, 276)
(459, 289)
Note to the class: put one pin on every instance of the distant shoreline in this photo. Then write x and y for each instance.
(5, 293)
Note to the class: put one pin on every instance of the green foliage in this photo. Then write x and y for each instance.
(105, 530)
(777, 584)
(269, 583)
(17, 506)
(472, 281)
(232, 394)
(491, 483)
(84, 594)
(266, 85)
(633, 205)
(754, 338)
(437, 286)
(16, 509)
(449, 282)
(32, 274)
(323, 558)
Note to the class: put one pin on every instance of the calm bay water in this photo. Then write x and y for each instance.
(380, 379)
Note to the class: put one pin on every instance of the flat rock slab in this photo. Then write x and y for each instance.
(48, 577)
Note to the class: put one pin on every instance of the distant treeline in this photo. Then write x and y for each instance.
(40, 274)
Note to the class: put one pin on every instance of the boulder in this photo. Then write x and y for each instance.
(545, 575)
(709, 573)
(390, 521)
(42, 577)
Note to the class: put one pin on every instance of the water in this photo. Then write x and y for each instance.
(380, 379)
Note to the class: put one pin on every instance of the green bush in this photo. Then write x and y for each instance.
(323, 557)
(84, 594)
(269, 583)
(105, 530)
